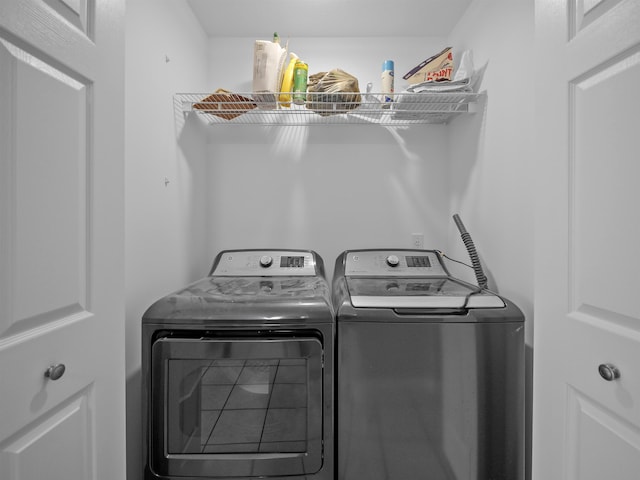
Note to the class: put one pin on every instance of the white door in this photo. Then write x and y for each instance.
(61, 240)
(587, 309)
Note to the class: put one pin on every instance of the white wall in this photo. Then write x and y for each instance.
(327, 188)
(165, 235)
(492, 162)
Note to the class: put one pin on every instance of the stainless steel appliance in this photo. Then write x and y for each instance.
(430, 372)
(238, 372)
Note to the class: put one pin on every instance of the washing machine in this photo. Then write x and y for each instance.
(237, 372)
(430, 372)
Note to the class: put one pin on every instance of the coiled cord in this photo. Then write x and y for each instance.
(473, 254)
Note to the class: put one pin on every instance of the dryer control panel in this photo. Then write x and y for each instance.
(394, 263)
(248, 263)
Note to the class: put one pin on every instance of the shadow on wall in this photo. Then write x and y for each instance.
(191, 134)
(470, 130)
(364, 181)
(134, 427)
(467, 153)
(528, 421)
(191, 168)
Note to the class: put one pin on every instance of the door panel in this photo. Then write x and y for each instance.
(587, 313)
(585, 12)
(77, 12)
(48, 205)
(61, 239)
(51, 27)
(63, 437)
(599, 444)
(604, 175)
(25, 360)
(597, 342)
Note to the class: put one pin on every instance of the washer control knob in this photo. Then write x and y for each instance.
(266, 261)
(393, 260)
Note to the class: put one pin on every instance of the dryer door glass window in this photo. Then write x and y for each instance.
(222, 397)
(237, 406)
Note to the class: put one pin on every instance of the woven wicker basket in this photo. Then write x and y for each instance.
(225, 104)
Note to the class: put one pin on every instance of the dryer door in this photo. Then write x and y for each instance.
(236, 406)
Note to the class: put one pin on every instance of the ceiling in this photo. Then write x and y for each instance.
(328, 18)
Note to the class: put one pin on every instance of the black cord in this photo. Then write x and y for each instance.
(476, 291)
(468, 296)
(454, 260)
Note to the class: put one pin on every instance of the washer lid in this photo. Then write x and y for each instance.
(425, 292)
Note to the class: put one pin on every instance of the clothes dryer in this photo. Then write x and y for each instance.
(430, 372)
(238, 372)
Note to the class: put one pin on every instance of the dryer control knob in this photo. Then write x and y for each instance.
(393, 260)
(266, 261)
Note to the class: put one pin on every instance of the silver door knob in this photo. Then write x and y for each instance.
(54, 372)
(608, 372)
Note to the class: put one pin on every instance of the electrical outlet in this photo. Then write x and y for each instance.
(417, 240)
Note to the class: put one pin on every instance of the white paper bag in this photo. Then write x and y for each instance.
(268, 61)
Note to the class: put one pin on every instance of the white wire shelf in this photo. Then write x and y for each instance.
(326, 109)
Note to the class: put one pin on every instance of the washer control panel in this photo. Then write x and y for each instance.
(400, 263)
(248, 263)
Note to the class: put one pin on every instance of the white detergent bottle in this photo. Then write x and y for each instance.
(387, 82)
